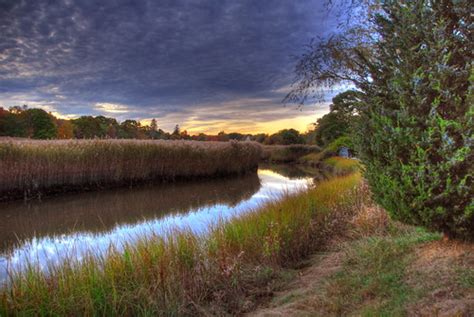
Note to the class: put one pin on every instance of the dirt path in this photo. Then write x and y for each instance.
(440, 279)
(296, 298)
(445, 269)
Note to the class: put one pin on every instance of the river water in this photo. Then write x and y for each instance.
(45, 232)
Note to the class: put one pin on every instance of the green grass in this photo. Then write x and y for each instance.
(183, 274)
(29, 168)
(342, 165)
(466, 277)
(372, 279)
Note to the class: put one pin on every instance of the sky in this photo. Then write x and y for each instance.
(205, 65)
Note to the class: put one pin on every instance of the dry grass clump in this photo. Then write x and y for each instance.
(29, 168)
(369, 218)
(225, 271)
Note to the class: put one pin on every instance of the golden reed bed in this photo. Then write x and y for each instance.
(30, 168)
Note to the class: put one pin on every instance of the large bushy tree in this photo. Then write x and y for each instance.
(340, 119)
(40, 124)
(413, 64)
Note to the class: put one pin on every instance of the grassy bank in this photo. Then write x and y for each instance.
(334, 165)
(31, 168)
(341, 165)
(287, 153)
(380, 267)
(227, 271)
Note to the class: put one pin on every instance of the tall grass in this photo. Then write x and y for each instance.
(341, 165)
(183, 273)
(28, 168)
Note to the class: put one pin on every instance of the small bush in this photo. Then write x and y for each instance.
(335, 145)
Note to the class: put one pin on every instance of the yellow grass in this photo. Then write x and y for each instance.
(342, 165)
(29, 168)
(181, 273)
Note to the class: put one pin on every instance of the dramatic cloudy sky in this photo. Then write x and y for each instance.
(207, 65)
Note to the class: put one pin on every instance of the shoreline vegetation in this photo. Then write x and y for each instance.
(33, 168)
(226, 271)
(287, 153)
(322, 251)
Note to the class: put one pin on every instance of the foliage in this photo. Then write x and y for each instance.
(331, 150)
(341, 141)
(11, 124)
(24, 122)
(15, 123)
(285, 137)
(40, 124)
(338, 122)
(287, 153)
(65, 129)
(162, 275)
(412, 64)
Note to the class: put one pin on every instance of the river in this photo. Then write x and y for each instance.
(42, 233)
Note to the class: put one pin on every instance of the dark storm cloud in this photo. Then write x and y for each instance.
(152, 57)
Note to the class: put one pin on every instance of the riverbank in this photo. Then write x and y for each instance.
(287, 153)
(325, 251)
(229, 270)
(30, 169)
(379, 267)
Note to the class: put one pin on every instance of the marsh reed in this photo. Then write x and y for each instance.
(224, 272)
(29, 168)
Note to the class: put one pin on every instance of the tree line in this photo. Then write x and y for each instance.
(34, 123)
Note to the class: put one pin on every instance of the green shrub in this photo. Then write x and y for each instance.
(412, 65)
(329, 151)
(416, 133)
(341, 141)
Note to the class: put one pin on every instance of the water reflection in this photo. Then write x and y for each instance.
(293, 171)
(46, 232)
(102, 211)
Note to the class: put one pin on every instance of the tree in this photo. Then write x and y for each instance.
(412, 66)
(153, 125)
(285, 137)
(111, 132)
(106, 125)
(65, 129)
(176, 135)
(236, 136)
(153, 129)
(130, 129)
(10, 124)
(184, 135)
(86, 127)
(260, 138)
(222, 136)
(40, 124)
(340, 119)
